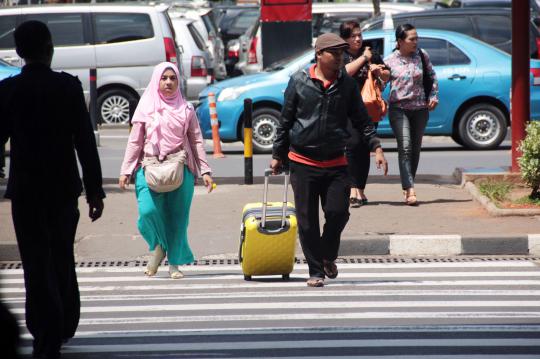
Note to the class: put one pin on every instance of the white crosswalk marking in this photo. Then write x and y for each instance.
(397, 310)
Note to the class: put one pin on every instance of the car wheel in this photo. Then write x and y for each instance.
(456, 138)
(482, 127)
(113, 106)
(265, 122)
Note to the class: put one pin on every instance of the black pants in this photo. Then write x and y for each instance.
(2, 159)
(46, 236)
(358, 157)
(331, 186)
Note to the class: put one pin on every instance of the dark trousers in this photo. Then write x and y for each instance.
(46, 235)
(358, 158)
(408, 127)
(2, 160)
(331, 186)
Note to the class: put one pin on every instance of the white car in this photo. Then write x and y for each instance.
(250, 51)
(204, 21)
(196, 59)
(123, 42)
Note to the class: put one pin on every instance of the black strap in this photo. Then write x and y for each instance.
(426, 77)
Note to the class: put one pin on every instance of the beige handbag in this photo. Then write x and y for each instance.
(166, 175)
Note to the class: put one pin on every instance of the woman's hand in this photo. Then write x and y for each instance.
(208, 182)
(380, 160)
(367, 53)
(432, 104)
(123, 181)
(376, 69)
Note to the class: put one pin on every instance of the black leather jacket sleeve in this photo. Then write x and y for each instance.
(361, 121)
(288, 115)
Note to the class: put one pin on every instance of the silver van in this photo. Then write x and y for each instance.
(123, 42)
(196, 59)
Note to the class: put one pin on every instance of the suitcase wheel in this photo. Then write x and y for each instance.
(285, 277)
(247, 277)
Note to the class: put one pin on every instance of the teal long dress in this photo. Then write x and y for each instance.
(164, 217)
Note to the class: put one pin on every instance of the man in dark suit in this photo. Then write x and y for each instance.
(44, 114)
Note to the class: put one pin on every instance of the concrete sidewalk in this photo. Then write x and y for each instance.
(447, 222)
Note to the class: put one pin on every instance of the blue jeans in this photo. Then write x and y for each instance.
(408, 127)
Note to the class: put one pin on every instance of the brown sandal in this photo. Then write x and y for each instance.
(315, 282)
(410, 198)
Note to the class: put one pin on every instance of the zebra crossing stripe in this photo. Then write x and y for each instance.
(116, 279)
(168, 286)
(302, 305)
(301, 294)
(311, 316)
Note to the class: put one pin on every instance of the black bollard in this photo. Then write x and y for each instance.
(248, 141)
(93, 98)
(93, 104)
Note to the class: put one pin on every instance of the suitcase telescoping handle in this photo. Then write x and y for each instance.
(267, 173)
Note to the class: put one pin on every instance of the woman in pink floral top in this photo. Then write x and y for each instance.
(409, 103)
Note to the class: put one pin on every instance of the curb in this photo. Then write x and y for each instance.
(494, 210)
(409, 245)
(442, 245)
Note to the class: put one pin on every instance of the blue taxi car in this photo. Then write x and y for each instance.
(8, 70)
(474, 90)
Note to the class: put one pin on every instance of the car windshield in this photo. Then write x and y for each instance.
(292, 61)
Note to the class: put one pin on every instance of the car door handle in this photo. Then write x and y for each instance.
(456, 77)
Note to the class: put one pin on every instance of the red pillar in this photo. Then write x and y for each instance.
(520, 100)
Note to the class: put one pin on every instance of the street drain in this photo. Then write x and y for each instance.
(350, 260)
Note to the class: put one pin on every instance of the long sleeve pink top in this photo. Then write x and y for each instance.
(138, 146)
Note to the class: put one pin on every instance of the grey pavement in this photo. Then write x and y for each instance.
(448, 221)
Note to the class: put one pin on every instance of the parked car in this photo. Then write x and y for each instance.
(195, 57)
(474, 84)
(491, 25)
(328, 16)
(233, 22)
(8, 70)
(250, 60)
(123, 42)
(204, 18)
(535, 7)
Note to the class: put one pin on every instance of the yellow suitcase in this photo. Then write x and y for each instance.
(268, 236)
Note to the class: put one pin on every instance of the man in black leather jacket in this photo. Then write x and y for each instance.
(319, 105)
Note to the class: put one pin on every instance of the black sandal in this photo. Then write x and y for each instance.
(330, 269)
(355, 202)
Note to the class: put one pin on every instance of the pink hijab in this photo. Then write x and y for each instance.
(166, 119)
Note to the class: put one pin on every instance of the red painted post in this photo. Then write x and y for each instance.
(520, 96)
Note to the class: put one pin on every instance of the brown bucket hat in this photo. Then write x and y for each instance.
(330, 41)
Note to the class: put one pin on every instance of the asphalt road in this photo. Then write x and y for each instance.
(440, 156)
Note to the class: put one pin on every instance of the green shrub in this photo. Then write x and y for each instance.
(495, 190)
(529, 162)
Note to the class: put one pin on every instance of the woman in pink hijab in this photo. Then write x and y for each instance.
(164, 123)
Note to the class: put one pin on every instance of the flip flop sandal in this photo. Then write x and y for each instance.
(174, 273)
(315, 282)
(153, 264)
